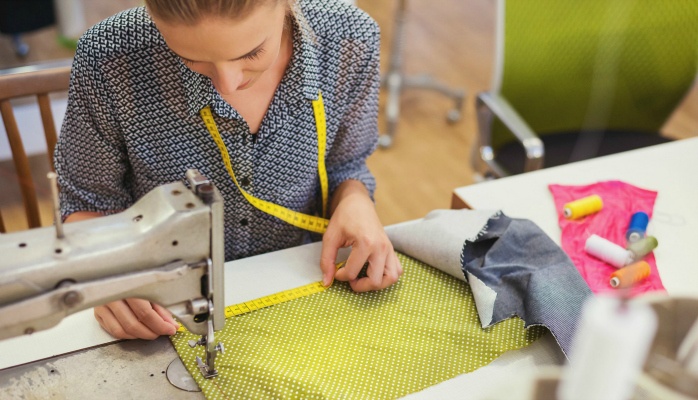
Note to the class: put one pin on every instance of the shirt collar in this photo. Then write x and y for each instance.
(197, 88)
(305, 46)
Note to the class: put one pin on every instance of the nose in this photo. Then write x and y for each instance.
(227, 78)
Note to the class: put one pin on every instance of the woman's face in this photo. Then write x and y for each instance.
(234, 53)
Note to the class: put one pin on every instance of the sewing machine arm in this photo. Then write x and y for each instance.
(167, 248)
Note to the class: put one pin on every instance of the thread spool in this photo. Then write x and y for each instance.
(630, 275)
(607, 251)
(637, 227)
(608, 350)
(582, 207)
(642, 247)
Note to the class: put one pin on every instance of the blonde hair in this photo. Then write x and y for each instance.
(190, 12)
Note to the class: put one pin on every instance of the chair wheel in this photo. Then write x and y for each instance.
(385, 141)
(21, 48)
(453, 116)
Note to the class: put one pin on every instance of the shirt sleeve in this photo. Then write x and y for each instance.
(91, 159)
(357, 135)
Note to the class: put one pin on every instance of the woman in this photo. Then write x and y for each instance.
(139, 82)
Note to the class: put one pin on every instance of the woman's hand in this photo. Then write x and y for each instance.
(355, 223)
(135, 319)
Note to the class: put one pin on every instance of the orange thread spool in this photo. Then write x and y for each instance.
(630, 275)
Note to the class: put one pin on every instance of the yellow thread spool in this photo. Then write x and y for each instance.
(630, 275)
(582, 207)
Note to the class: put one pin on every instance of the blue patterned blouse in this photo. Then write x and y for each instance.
(133, 123)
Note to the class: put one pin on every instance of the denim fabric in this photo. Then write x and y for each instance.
(532, 277)
(511, 265)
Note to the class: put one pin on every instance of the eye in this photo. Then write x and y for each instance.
(255, 55)
(186, 62)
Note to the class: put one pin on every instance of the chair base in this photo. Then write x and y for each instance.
(395, 81)
(563, 148)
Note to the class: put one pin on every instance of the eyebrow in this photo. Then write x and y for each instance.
(249, 53)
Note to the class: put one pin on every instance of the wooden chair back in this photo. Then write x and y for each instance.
(38, 82)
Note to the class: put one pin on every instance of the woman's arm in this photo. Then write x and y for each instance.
(354, 221)
(82, 216)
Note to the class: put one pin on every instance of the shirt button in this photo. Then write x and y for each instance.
(245, 181)
(244, 222)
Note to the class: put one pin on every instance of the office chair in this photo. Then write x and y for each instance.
(395, 81)
(579, 79)
(36, 81)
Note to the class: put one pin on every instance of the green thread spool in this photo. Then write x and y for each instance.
(642, 247)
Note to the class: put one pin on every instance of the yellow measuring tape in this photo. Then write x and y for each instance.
(277, 298)
(304, 221)
(273, 299)
(295, 218)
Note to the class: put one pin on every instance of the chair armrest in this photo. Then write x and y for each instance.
(491, 104)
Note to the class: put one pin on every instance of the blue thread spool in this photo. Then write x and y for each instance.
(637, 227)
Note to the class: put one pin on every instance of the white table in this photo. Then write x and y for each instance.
(78, 360)
(89, 372)
(671, 169)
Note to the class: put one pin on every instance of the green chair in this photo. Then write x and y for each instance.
(575, 79)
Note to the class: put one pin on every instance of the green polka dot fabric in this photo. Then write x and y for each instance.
(341, 344)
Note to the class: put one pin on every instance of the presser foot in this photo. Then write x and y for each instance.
(205, 370)
(208, 369)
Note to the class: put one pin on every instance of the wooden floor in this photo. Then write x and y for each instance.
(453, 40)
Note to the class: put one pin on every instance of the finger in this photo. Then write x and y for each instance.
(355, 262)
(146, 314)
(400, 269)
(376, 268)
(165, 314)
(128, 323)
(108, 322)
(390, 275)
(393, 269)
(362, 285)
(330, 246)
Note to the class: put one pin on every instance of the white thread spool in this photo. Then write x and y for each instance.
(608, 351)
(607, 251)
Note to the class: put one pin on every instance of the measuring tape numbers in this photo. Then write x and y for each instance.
(273, 299)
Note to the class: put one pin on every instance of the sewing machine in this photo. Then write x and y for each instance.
(167, 248)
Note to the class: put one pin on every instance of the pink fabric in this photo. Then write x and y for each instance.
(620, 201)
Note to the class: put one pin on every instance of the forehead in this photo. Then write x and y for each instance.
(219, 38)
(190, 12)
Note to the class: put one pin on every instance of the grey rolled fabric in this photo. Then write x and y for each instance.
(511, 265)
